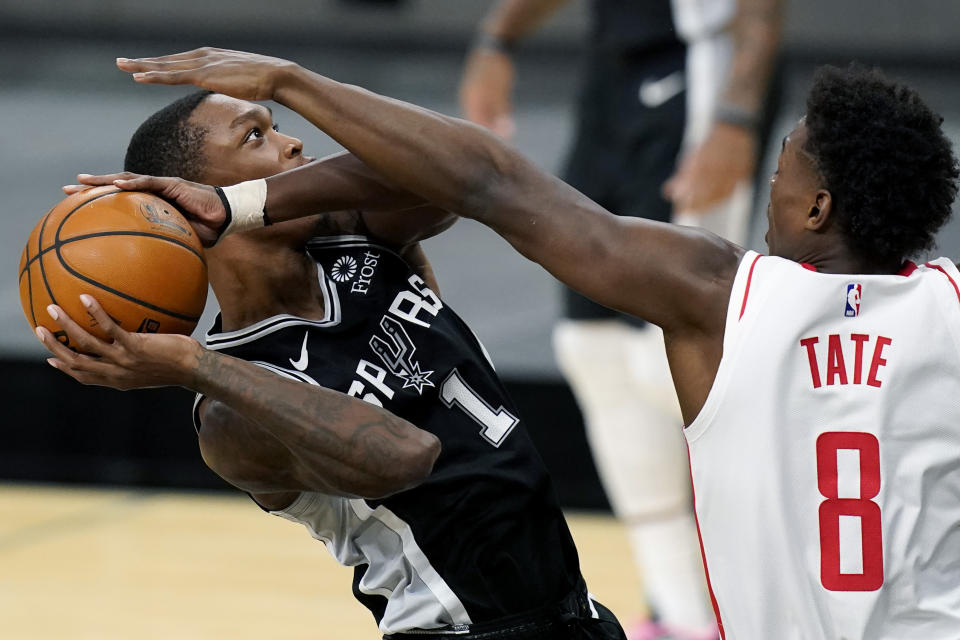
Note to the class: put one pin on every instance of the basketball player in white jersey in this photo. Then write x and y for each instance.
(822, 432)
(667, 127)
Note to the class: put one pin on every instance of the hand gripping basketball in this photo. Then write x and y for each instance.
(199, 203)
(127, 361)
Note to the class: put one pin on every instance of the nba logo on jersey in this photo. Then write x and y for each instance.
(853, 301)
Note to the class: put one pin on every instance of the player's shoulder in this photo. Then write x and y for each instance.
(761, 279)
(758, 267)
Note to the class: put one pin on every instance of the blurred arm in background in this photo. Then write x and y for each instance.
(486, 90)
(709, 171)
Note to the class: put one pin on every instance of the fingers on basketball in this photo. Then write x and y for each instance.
(132, 251)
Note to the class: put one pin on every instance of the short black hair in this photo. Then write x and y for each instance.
(167, 144)
(881, 152)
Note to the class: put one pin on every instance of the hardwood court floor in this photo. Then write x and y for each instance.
(121, 564)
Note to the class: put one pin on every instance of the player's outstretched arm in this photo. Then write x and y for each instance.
(677, 278)
(337, 183)
(314, 439)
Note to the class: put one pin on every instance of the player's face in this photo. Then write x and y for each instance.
(793, 196)
(242, 141)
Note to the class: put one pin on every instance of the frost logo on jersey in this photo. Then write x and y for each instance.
(343, 269)
(396, 352)
(853, 300)
(370, 262)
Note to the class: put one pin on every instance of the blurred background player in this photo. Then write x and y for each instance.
(668, 128)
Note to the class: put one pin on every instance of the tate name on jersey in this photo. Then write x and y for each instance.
(827, 356)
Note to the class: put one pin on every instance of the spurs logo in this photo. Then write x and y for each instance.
(396, 352)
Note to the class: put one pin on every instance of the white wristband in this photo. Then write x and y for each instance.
(244, 204)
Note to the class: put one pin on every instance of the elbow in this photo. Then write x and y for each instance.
(411, 469)
(421, 464)
(218, 458)
(210, 436)
(220, 450)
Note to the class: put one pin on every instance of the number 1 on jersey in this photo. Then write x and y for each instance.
(497, 423)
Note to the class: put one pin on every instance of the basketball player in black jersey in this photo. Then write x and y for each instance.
(356, 402)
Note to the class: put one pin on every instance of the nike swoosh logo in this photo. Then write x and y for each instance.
(301, 364)
(654, 93)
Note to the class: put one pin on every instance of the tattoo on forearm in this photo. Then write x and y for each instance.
(375, 443)
(316, 424)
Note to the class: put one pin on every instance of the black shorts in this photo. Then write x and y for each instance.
(571, 619)
(623, 149)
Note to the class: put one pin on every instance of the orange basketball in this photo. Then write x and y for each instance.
(132, 251)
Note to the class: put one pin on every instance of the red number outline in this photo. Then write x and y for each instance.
(828, 444)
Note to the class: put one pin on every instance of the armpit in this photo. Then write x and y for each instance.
(340, 223)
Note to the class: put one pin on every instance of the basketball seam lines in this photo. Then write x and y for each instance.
(43, 272)
(59, 243)
(43, 227)
(120, 294)
(33, 314)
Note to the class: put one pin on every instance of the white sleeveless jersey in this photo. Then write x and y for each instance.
(826, 459)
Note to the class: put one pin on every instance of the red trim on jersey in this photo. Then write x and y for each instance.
(703, 554)
(907, 269)
(943, 271)
(746, 291)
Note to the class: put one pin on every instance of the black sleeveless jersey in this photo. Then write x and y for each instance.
(483, 537)
(632, 26)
